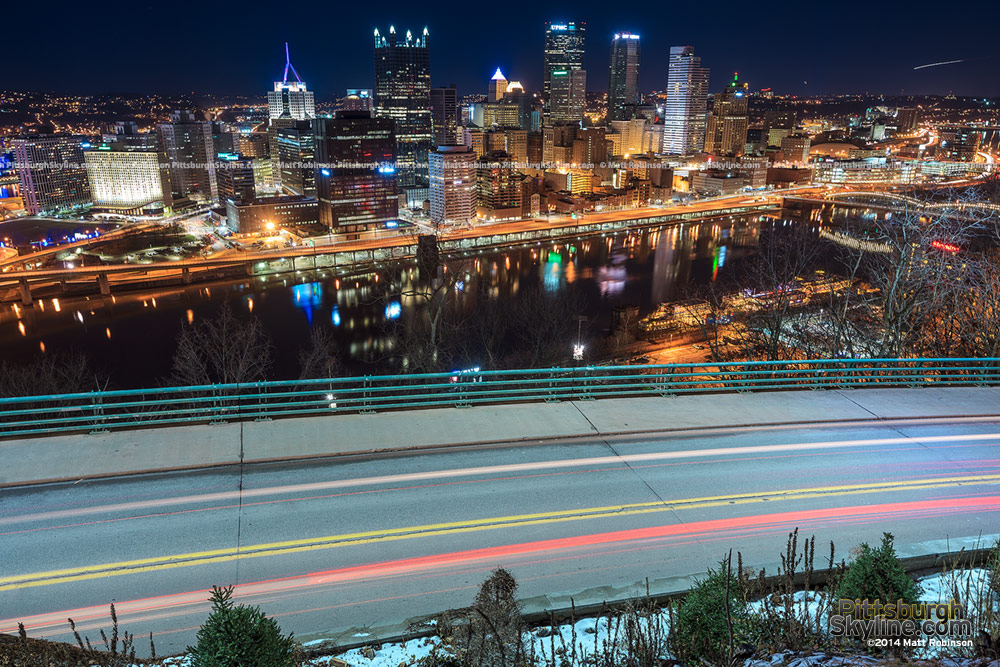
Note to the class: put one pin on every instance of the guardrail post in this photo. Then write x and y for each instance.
(367, 409)
(261, 404)
(97, 411)
(664, 383)
(819, 381)
(218, 411)
(743, 386)
(983, 374)
(463, 396)
(844, 371)
(588, 377)
(551, 397)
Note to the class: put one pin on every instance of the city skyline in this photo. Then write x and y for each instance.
(825, 60)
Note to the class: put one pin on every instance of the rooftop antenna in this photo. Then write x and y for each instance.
(288, 66)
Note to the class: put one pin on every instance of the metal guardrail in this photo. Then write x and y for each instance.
(101, 411)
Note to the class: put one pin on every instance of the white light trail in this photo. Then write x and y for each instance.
(946, 62)
(423, 477)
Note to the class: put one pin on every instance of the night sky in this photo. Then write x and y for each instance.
(806, 48)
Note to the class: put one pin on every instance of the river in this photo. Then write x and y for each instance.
(130, 336)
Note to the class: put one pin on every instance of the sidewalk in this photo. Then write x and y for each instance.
(81, 456)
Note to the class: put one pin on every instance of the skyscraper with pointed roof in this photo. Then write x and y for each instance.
(291, 99)
(498, 86)
(403, 93)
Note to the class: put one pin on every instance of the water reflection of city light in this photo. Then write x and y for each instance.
(308, 297)
(611, 280)
(552, 274)
(393, 310)
(335, 316)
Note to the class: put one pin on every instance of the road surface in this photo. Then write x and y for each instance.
(328, 547)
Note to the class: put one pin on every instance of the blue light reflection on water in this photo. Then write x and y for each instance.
(308, 297)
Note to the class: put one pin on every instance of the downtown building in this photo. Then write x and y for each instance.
(445, 116)
(795, 148)
(453, 185)
(190, 152)
(685, 108)
(959, 144)
(511, 110)
(498, 188)
(357, 99)
(498, 86)
(51, 172)
(568, 100)
(269, 215)
(291, 99)
(355, 172)
(296, 157)
(623, 77)
(290, 105)
(403, 93)
(128, 173)
(634, 137)
(564, 48)
(728, 123)
(236, 178)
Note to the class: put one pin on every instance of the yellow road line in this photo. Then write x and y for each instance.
(492, 523)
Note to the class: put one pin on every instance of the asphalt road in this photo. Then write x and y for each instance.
(331, 546)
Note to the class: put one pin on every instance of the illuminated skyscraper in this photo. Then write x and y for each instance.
(567, 96)
(355, 176)
(403, 93)
(623, 79)
(187, 143)
(684, 111)
(357, 99)
(235, 175)
(498, 86)
(564, 46)
(291, 99)
(453, 184)
(128, 173)
(728, 122)
(512, 110)
(444, 110)
(498, 188)
(296, 157)
(51, 172)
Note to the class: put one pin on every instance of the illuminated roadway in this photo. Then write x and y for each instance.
(372, 541)
(164, 269)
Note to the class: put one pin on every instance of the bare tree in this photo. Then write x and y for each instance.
(545, 326)
(623, 329)
(766, 298)
(910, 292)
(321, 359)
(421, 342)
(54, 373)
(221, 350)
(484, 336)
(980, 310)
